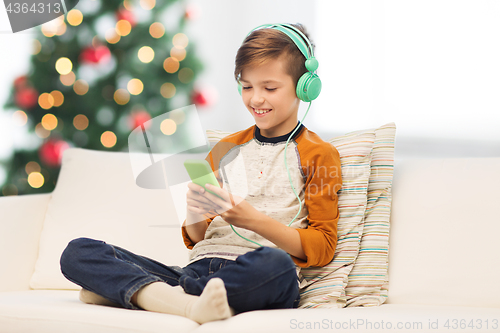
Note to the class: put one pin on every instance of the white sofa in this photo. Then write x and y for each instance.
(444, 262)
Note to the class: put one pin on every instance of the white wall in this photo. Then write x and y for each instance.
(431, 66)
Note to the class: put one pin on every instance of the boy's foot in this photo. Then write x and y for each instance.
(89, 297)
(211, 304)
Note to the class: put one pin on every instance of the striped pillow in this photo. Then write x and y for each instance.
(326, 284)
(368, 281)
(323, 286)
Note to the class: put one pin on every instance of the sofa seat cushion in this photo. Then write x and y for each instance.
(60, 311)
(384, 318)
(57, 311)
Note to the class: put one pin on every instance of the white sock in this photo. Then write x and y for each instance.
(209, 306)
(89, 297)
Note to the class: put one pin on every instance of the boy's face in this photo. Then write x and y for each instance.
(269, 88)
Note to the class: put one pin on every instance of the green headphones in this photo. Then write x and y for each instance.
(309, 84)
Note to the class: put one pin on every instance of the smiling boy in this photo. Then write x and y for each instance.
(261, 202)
(247, 247)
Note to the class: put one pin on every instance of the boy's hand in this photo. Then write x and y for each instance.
(233, 209)
(197, 202)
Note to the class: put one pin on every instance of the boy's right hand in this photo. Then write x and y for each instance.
(196, 202)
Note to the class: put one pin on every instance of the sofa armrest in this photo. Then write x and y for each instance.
(21, 221)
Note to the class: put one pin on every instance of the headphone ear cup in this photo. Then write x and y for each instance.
(308, 87)
(239, 88)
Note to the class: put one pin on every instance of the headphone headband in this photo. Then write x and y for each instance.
(294, 34)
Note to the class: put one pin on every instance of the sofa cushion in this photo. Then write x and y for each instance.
(21, 223)
(368, 280)
(60, 311)
(444, 232)
(386, 318)
(96, 196)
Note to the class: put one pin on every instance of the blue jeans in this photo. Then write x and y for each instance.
(261, 279)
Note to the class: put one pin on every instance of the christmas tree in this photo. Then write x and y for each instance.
(96, 73)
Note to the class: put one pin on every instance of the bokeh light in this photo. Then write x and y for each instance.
(81, 122)
(128, 5)
(64, 65)
(58, 97)
(49, 122)
(168, 127)
(156, 30)
(74, 17)
(135, 86)
(108, 139)
(48, 31)
(35, 179)
(146, 54)
(81, 87)
(178, 53)
(180, 40)
(167, 90)
(148, 4)
(46, 101)
(112, 36)
(123, 27)
(20, 118)
(121, 97)
(171, 65)
(54, 27)
(61, 29)
(32, 167)
(68, 79)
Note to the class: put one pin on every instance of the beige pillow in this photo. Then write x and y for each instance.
(96, 196)
(325, 285)
(368, 281)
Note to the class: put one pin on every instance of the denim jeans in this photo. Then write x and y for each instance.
(261, 279)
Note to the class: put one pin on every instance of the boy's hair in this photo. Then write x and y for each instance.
(265, 44)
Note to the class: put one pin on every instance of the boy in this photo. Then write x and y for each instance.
(256, 266)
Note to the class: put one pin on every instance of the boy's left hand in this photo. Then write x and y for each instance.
(235, 210)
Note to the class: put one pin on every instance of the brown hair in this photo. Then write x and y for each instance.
(264, 44)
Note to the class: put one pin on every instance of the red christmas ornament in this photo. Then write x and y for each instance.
(139, 118)
(20, 82)
(95, 55)
(123, 14)
(26, 97)
(192, 12)
(51, 152)
(203, 97)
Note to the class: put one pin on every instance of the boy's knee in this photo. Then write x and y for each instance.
(75, 250)
(277, 255)
(276, 258)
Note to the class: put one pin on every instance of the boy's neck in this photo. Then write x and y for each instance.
(276, 139)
